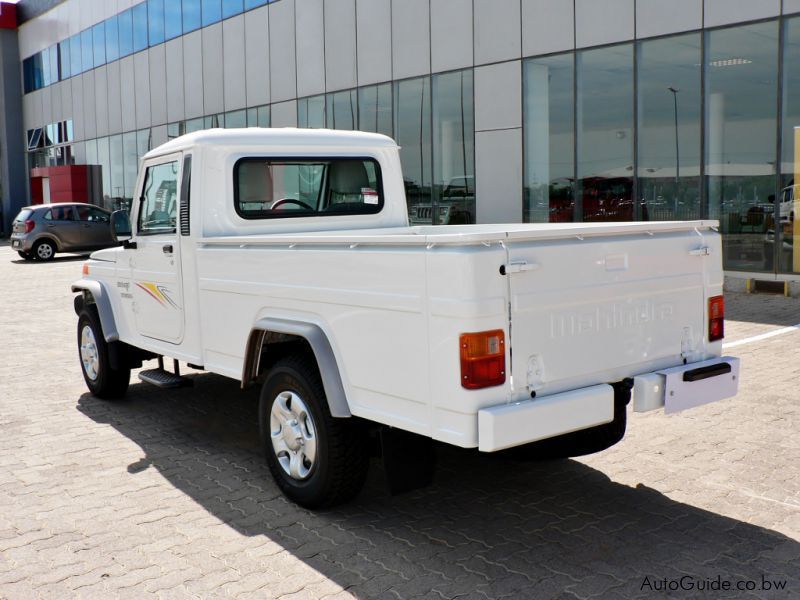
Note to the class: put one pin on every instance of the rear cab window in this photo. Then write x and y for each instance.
(23, 215)
(266, 188)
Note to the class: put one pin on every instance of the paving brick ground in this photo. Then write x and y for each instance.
(166, 494)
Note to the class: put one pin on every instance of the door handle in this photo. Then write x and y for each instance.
(167, 249)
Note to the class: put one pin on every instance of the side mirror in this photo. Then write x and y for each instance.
(121, 226)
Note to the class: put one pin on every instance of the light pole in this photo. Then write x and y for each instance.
(675, 91)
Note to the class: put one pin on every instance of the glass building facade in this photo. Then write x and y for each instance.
(524, 111)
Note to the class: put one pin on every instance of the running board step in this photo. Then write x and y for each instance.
(164, 379)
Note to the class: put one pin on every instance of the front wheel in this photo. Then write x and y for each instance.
(102, 380)
(317, 460)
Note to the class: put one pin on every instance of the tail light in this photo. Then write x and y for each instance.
(483, 359)
(29, 225)
(716, 318)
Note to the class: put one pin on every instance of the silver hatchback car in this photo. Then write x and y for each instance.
(38, 232)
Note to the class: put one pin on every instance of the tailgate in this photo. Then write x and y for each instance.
(598, 309)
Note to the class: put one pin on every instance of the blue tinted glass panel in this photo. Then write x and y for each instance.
(231, 7)
(125, 21)
(112, 39)
(191, 15)
(139, 27)
(172, 19)
(64, 59)
(212, 11)
(155, 20)
(99, 38)
(248, 4)
(87, 55)
(38, 74)
(75, 54)
(27, 74)
(53, 63)
(45, 68)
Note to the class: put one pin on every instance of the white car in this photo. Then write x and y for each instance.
(284, 258)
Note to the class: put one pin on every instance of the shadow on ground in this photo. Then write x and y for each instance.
(488, 527)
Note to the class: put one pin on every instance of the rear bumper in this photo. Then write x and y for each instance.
(21, 243)
(675, 389)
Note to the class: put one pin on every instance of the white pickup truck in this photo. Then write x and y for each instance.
(284, 257)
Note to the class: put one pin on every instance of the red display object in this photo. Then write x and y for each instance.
(8, 15)
(68, 183)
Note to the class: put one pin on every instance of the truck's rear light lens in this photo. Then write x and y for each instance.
(29, 225)
(483, 359)
(716, 318)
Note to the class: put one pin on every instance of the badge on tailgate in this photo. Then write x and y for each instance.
(700, 383)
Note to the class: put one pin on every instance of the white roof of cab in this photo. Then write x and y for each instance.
(280, 137)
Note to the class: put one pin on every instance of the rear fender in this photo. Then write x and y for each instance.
(320, 345)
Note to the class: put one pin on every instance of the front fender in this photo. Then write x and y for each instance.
(102, 301)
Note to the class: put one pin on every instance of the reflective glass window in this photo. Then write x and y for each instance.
(231, 8)
(214, 121)
(549, 137)
(412, 123)
(27, 74)
(311, 112)
(194, 125)
(99, 44)
(191, 15)
(125, 22)
(787, 226)
(155, 21)
(105, 168)
(64, 59)
(173, 27)
(375, 109)
(46, 73)
(139, 14)
(54, 72)
(605, 134)
(176, 129)
(248, 4)
(112, 39)
(87, 50)
(38, 71)
(143, 142)
(118, 201)
(130, 157)
(75, 54)
(669, 128)
(235, 118)
(212, 11)
(453, 148)
(159, 204)
(342, 110)
(741, 106)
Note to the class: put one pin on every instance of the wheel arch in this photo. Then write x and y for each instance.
(49, 238)
(95, 292)
(317, 340)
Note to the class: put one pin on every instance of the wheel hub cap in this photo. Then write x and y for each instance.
(294, 438)
(44, 251)
(89, 356)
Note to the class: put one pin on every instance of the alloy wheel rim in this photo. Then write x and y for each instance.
(44, 251)
(293, 435)
(89, 356)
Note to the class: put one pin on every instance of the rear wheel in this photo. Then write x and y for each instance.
(317, 460)
(25, 255)
(101, 378)
(44, 250)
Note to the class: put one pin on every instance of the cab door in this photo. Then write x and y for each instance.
(155, 262)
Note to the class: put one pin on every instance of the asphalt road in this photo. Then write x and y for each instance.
(166, 492)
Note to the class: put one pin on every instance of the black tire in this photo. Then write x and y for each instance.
(25, 255)
(44, 250)
(105, 382)
(579, 443)
(341, 455)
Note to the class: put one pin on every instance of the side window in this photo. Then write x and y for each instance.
(98, 216)
(275, 188)
(60, 213)
(159, 202)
